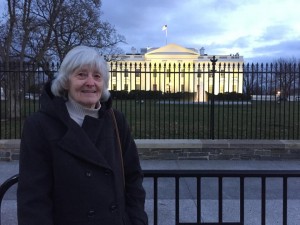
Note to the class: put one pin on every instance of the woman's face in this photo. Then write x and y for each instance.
(85, 86)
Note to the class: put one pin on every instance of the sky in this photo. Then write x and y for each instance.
(259, 30)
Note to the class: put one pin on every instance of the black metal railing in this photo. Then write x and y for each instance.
(180, 101)
(4, 188)
(264, 176)
(220, 175)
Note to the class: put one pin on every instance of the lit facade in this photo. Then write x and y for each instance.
(173, 68)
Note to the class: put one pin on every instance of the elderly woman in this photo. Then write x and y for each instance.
(79, 163)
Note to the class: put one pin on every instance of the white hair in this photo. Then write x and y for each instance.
(76, 58)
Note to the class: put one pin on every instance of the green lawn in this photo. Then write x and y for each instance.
(253, 120)
(165, 119)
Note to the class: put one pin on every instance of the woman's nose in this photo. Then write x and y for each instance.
(90, 80)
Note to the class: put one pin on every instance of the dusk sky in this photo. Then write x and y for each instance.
(259, 30)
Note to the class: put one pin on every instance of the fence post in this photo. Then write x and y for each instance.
(212, 116)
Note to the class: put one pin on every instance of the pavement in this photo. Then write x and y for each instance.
(209, 203)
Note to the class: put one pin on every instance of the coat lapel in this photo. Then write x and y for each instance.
(80, 142)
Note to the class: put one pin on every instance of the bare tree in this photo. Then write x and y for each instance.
(250, 79)
(8, 24)
(79, 23)
(285, 76)
(42, 31)
(8, 28)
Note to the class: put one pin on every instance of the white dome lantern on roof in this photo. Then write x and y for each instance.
(202, 51)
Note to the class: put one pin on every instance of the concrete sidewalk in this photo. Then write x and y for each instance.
(209, 203)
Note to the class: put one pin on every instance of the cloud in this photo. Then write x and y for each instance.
(275, 32)
(254, 28)
(284, 48)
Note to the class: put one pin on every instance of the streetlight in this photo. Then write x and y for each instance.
(278, 96)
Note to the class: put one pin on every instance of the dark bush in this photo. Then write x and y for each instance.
(188, 96)
(230, 96)
(119, 94)
(139, 94)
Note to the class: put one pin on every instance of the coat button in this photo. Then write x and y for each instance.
(91, 213)
(113, 208)
(107, 172)
(88, 173)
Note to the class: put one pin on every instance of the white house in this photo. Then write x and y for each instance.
(173, 68)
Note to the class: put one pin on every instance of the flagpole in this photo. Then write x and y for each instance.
(165, 28)
(166, 36)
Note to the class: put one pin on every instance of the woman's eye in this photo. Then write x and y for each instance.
(81, 75)
(97, 76)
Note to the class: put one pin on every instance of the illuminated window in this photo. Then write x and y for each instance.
(199, 73)
(154, 87)
(182, 72)
(126, 73)
(222, 73)
(155, 73)
(182, 88)
(168, 73)
(114, 73)
(137, 72)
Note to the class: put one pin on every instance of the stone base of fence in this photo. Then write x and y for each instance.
(9, 149)
(219, 149)
(182, 149)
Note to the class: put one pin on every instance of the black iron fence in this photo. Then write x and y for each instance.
(232, 191)
(177, 101)
(247, 194)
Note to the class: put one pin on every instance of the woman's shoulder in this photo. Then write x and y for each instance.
(41, 120)
(120, 117)
(38, 117)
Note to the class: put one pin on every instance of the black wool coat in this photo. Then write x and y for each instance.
(72, 175)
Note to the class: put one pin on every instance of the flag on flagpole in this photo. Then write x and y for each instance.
(165, 27)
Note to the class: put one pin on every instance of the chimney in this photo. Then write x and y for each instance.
(133, 50)
(202, 51)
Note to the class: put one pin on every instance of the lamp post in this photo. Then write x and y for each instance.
(278, 96)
